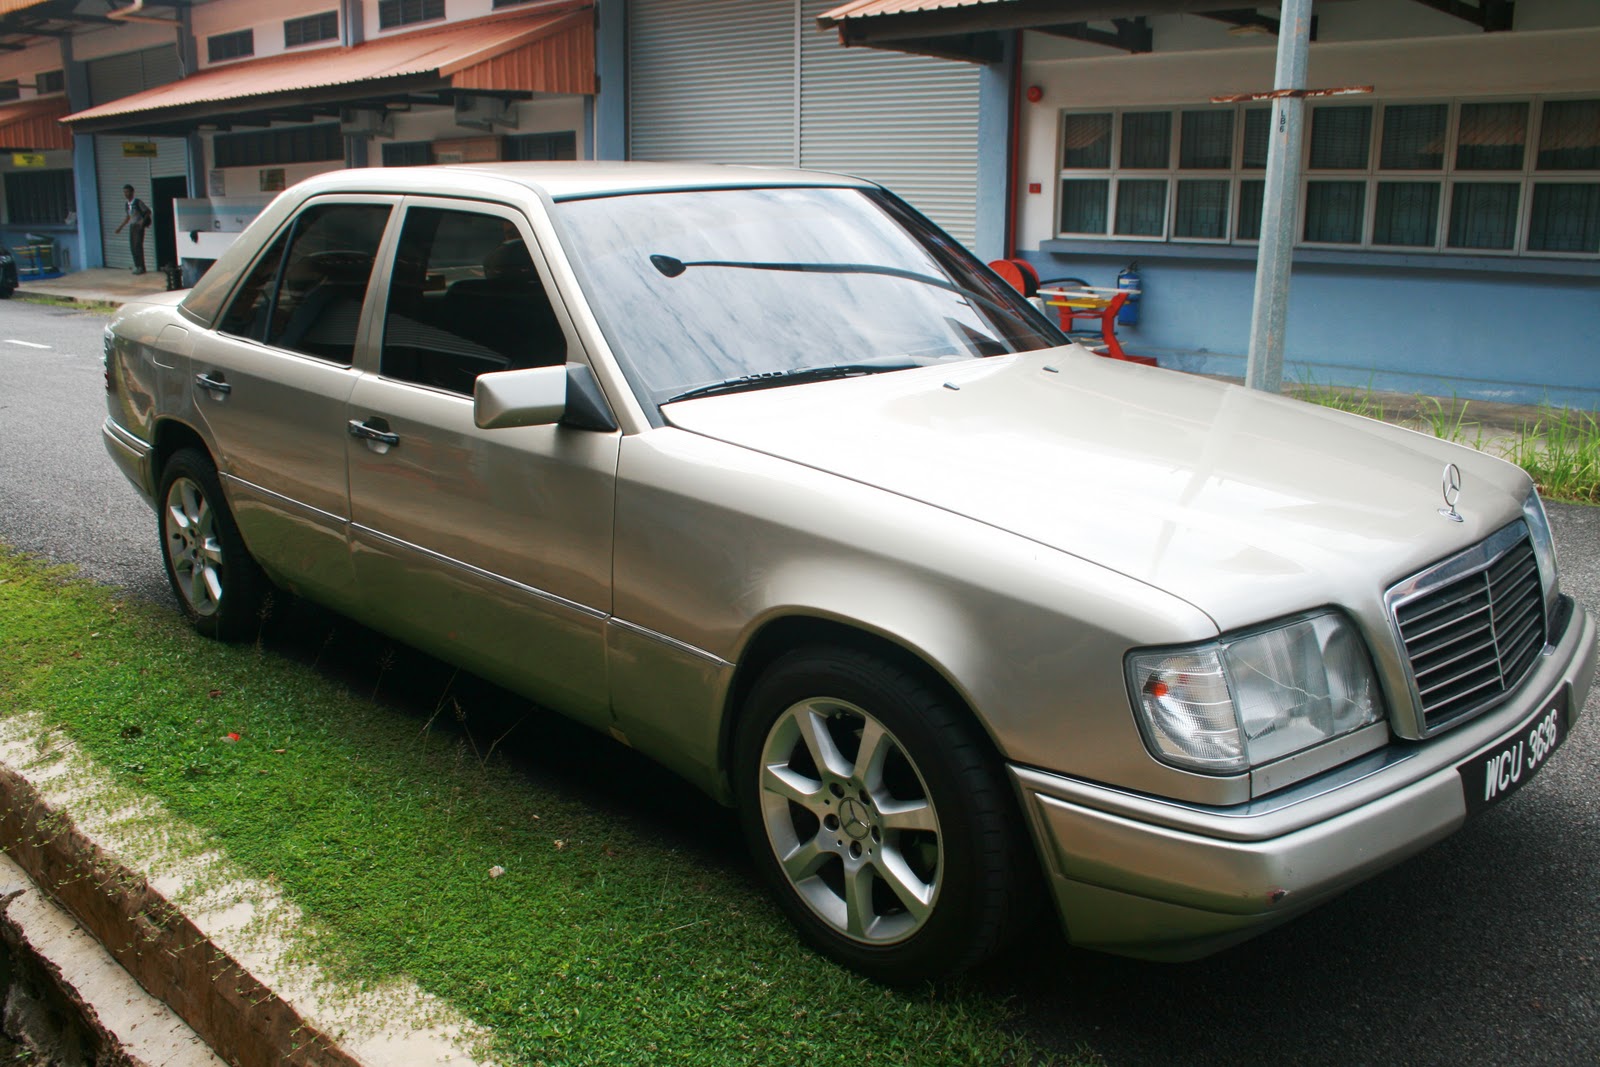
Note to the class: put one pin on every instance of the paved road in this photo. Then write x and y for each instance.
(1485, 949)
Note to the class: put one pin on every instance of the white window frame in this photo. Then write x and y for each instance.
(1446, 178)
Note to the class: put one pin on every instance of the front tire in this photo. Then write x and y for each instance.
(877, 811)
(217, 582)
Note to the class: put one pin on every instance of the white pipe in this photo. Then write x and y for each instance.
(135, 13)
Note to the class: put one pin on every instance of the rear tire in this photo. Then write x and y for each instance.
(876, 809)
(217, 582)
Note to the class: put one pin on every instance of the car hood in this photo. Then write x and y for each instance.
(1246, 505)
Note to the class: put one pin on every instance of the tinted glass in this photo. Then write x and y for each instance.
(324, 279)
(703, 286)
(465, 300)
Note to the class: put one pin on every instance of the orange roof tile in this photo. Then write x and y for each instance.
(34, 124)
(546, 47)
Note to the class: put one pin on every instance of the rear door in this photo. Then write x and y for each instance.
(271, 382)
(490, 548)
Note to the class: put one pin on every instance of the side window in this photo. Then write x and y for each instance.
(305, 293)
(465, 300)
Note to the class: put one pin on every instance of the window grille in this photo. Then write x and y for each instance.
(393, 13)
(234, 45)
(289, 144)
(309, 30)
(39, 196)
(1519, 177)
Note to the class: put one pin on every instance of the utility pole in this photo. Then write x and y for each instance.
(1280, 204)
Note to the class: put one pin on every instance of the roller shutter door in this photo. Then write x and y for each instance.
(910, 122)
(712, 81)
(112, 78)
(755, 81)
(115, 168)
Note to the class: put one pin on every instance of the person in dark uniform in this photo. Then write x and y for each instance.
(136, 216)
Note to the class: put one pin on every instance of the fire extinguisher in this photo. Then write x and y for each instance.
(1129, 279)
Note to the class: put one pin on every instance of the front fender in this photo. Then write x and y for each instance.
(716, 543)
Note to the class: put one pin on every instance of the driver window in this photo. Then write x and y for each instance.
(464, 300)
(309, 300)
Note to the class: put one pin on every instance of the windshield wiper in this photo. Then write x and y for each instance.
(771, 378)
(672, 267)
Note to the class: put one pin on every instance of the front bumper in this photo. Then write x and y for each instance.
(1141, 876)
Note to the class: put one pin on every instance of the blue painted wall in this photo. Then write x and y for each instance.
(1518, 337)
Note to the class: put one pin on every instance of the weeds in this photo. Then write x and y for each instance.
(1561, 451)
(1362, 402)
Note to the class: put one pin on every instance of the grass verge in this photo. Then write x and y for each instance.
(1560, 449)
(99, 307)
(597, 944)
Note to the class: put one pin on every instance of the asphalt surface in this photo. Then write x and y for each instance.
(1483, 949)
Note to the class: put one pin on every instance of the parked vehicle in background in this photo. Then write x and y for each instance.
(8, 273)
(764, 475)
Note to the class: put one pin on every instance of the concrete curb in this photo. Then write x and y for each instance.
(246, 1023)
(70, 1002)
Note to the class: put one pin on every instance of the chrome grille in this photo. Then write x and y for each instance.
(1471, 634)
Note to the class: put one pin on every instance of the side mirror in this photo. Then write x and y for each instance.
(533, 397)
(541, 396)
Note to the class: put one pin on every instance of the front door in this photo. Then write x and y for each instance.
(490, 548)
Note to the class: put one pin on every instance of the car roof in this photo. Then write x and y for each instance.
(572, 180)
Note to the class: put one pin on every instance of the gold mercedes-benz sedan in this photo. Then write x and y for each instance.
(764, 475)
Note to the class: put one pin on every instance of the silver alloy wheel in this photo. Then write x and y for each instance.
(849, 818)
(192, 546)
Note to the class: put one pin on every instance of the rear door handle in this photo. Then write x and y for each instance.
(212, 385)
(374, 429)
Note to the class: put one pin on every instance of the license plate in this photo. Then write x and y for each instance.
(1505, 766)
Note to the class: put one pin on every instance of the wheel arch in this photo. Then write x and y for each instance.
(784, 633)
(172, 435)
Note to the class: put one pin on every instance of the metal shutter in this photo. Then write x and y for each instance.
(116, 170)
(755, 81)
(112, 78)
(910, 122)
(712, 80)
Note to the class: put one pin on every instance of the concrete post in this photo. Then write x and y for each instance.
(609, 111)
(1270, 313)
(87, 251)
(994, 152)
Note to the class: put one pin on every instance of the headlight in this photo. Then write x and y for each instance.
(1238, 702)
(1544, 548)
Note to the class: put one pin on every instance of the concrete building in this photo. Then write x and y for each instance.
(1449, 229)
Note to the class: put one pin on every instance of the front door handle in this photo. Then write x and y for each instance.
(374, 429)
(212, 385)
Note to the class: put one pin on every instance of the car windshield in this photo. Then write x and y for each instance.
(714, 290)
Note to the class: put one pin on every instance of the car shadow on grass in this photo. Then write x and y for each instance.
(544, 746)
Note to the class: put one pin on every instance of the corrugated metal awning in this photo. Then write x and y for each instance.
(968, 29)
(34, 125)
(540, 48)
(8, 6)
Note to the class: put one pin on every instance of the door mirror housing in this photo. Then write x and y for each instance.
(533, 397)
(541, 396)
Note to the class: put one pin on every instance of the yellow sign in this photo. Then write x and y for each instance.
(27, 159)
(139, 148)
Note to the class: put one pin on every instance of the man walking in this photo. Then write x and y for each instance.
(137, 216)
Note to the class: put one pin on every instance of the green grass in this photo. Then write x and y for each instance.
(99, 307)
(600, 944)
(1561, 451)
(1362, 402)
